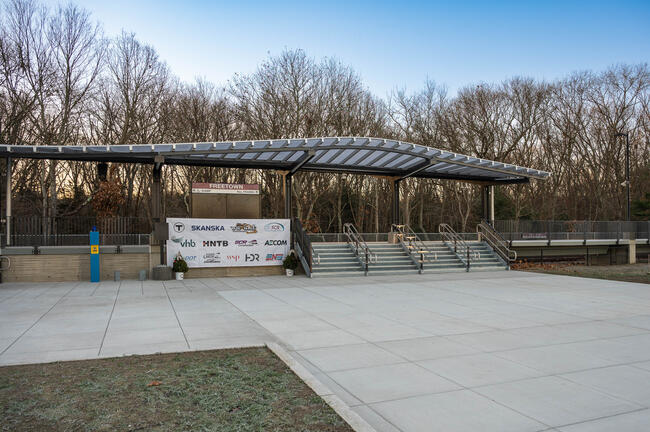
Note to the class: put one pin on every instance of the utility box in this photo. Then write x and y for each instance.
(225, 201)
(94, 255)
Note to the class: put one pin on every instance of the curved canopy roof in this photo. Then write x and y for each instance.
(355, 155)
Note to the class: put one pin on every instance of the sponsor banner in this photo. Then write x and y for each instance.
(228, 242)
(226, 188)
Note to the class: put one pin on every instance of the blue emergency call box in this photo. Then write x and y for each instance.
(94, 255)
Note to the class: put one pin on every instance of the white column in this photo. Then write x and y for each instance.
(491, 221)
(8, 201)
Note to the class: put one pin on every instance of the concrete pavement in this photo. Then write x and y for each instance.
(506, 351)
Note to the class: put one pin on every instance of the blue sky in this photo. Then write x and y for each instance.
(390, 44)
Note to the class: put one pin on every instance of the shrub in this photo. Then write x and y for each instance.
(180, 266)
(290, 262)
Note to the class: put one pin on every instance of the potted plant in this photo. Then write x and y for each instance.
(290, 263)
(180, 267)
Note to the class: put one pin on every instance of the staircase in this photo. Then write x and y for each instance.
(334, 259)
(389, 259)
(338, 259)
(445, 260)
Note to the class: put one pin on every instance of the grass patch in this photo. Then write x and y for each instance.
(225, 390)
(625, 273)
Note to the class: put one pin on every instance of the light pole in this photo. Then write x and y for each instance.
(627, 169)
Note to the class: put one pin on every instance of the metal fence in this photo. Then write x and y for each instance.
(572, 230)
(381, 237)
(73, 231)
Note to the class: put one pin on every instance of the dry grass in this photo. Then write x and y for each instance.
(226, 390)
(625, 273)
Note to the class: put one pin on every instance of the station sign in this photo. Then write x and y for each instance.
(228, 242)
(226, 188)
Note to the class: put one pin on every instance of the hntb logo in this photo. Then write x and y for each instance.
(215, 243)
(274, 227)
(179, 227)
(275, 243)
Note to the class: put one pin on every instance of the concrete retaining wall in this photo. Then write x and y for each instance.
(66, 264)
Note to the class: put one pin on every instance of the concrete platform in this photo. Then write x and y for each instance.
(489, 351)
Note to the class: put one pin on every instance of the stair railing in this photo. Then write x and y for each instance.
(498, 244)
(417, 250)
(358, 246)
(302, 246)
(461, 248)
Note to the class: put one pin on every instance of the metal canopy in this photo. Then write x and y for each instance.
(356, 155)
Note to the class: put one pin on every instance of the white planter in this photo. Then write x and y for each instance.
(179, 275)
(289, 272)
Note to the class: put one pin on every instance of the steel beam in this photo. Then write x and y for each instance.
(156, 204)
(287, 179)
(395, 216)
(8, 201)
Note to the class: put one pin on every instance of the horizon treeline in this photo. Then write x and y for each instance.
(64, 82)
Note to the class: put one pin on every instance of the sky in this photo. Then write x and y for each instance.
(390, 44)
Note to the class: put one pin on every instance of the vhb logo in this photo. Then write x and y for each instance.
(187, 243)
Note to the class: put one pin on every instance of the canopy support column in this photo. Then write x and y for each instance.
(395, 219)
(487, 200)
(156, 204)
(8, 201)
(491, 192)
(286, 180)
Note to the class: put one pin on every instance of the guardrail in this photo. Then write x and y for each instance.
(414, 245)
(73, 230)
(513, 230)
(498, 244)
(382, 237)
(359, 246)
(461, 249)
(303, 244)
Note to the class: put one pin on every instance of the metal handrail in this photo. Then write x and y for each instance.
(462, 250)
(414, 245)
(358, 244)
(496, 242)
(305, 251)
